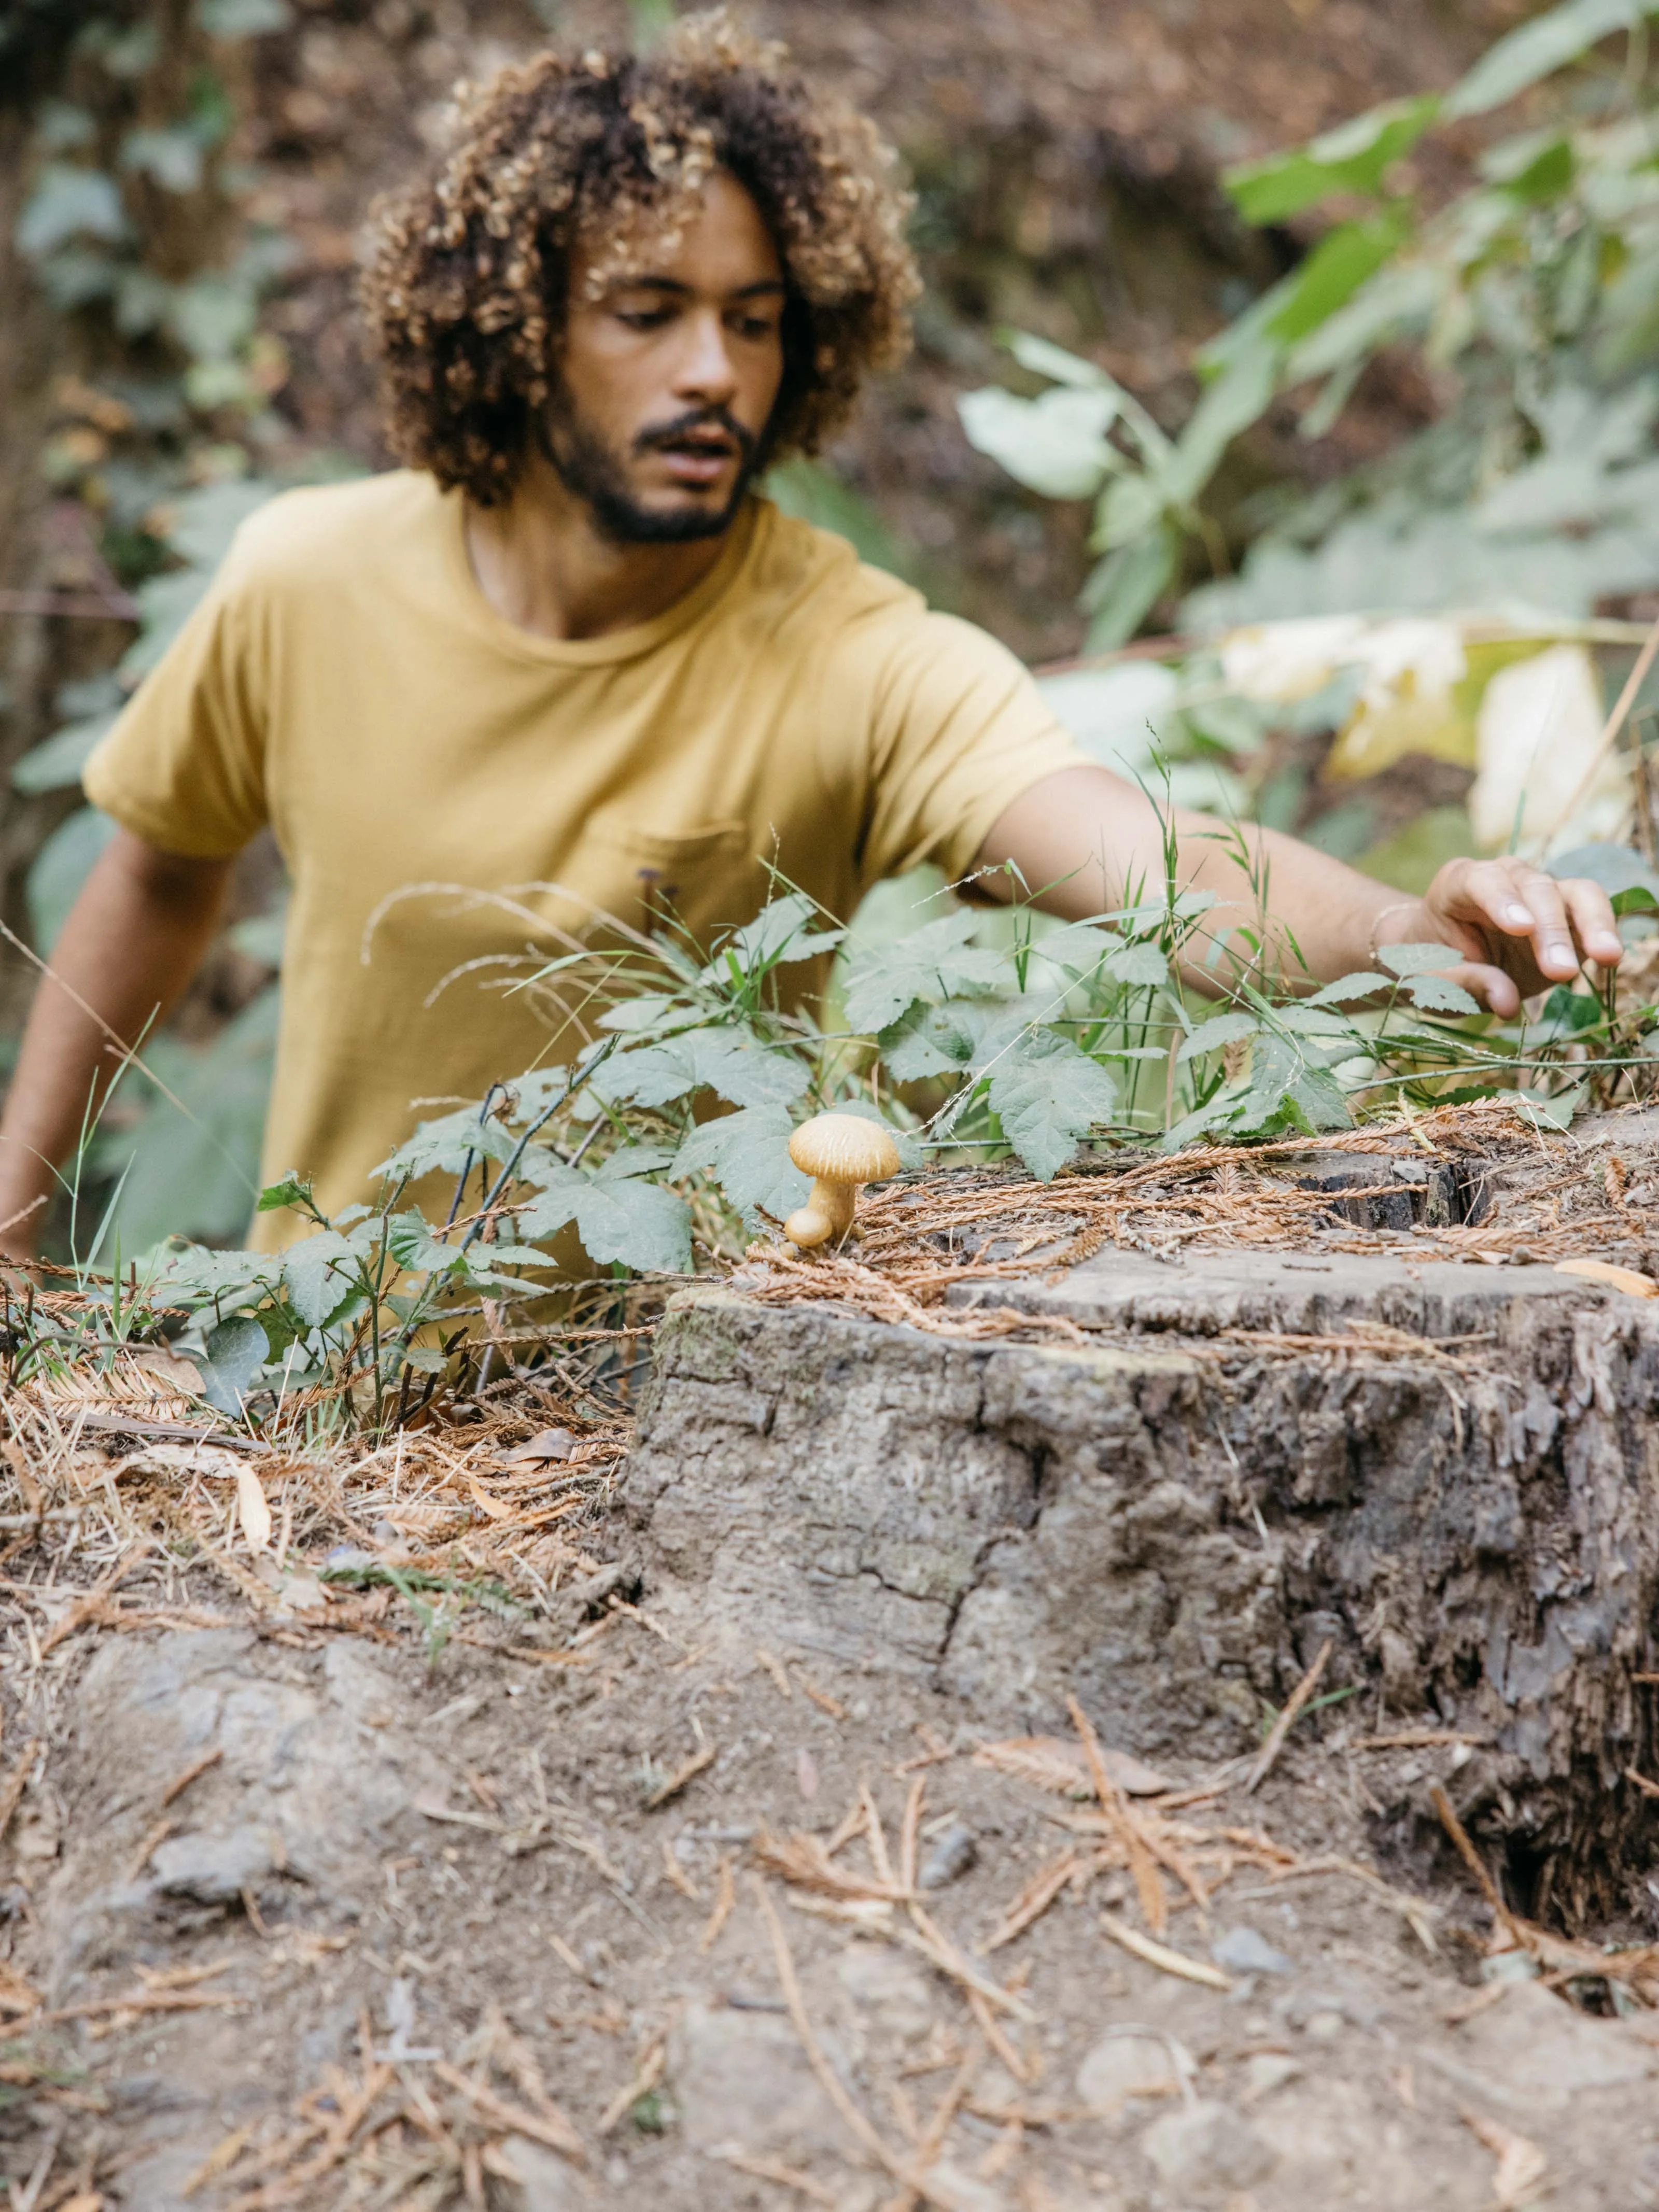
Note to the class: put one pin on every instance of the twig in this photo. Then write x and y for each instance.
(1161, 1956)
(180, 1782)
(829, 2081)
(1287, 1720)
(550, 2127)
(677, 1780)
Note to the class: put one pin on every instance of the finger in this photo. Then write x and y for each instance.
(1528, 904)
(1593, 923)
(1490, 985)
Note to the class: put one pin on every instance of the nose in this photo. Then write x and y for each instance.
(704, 373)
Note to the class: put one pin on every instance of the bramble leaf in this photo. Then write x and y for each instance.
(934, 962)
(748, 1155)
(1419, 959)
(1047, 1094)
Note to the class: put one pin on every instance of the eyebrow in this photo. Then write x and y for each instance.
(766, 286)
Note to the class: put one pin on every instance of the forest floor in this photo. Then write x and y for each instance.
(407, 1852)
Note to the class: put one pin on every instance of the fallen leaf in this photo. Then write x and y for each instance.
(252, 1510)
(1520, 2164)
(1049, 1762)
(551, 1443)
(1616, 1279)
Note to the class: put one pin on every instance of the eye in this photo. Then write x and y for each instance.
(643, 319)
(755, 326)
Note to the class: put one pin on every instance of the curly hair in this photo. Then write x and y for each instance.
(609, 153)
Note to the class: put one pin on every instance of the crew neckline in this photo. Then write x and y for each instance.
(616, 644)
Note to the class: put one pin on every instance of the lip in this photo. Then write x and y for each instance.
(698, 463)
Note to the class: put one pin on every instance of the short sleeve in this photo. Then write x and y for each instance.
(184, 767)
(958, 732)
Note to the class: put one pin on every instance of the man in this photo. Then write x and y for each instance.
(565, 665)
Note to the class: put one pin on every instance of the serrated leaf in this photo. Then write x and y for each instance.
(780, 934)
(1440, 995)
(235, 1351)
(291, 1189)
(1419, 959)
(1218, 1030)
(1363, 983)
(640, 1223)
(446, 1145)
(934, 962)
(929, 1041)
(1047, 1095)
(1138, 966)
(319, 1273)
(728, 1061)
(748, 1155)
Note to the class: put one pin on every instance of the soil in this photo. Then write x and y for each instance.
(304, 1911)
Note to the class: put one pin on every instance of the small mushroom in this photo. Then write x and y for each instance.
(840, 1151)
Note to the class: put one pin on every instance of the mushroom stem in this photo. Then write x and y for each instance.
(827, 1215)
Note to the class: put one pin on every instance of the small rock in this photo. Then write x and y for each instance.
(345, 1556)
(954, 1851)
(212, 1869)
(1207, 2146)
(1122, 2066)
(892, 1993)
(1544, 2052)
(1265, 2071)
(387, 1532)
(806, 1773)
(1246, 1951)
(548, 2184)
(742, 2078)
(1324, 2027)
(967, 2189)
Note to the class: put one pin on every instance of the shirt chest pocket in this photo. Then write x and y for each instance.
(705, 876)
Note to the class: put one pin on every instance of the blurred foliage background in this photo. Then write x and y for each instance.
(1408, 369)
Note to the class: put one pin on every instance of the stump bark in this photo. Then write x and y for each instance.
(1463, 1497)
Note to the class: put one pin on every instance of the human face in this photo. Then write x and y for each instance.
(668, 379)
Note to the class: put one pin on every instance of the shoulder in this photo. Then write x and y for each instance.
(797, 568)
(320, 535)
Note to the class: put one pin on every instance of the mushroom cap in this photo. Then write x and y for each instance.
(845, 1147)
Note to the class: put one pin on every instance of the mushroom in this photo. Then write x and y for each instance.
(840, 1151)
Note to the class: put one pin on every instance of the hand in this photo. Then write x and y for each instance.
(1519, 930)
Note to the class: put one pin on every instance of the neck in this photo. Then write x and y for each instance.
(541, 562)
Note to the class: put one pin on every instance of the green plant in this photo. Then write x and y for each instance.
(1535, 292)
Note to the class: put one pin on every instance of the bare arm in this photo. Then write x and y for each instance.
(132, 942)
(1080, 838)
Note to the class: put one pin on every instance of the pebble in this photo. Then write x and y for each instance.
(1246, 1951)
(1206, 2145)
(1121, 2066)
(953, 1853)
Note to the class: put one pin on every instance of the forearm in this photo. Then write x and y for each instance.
(131, 944)
(1086, 842)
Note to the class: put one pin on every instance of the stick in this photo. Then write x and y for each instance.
(1614, 722)
(829, 2080)
(1471, 1857)
(1148, 1884)
(550, 2127)
(1287, 1720)
(1161, 1956)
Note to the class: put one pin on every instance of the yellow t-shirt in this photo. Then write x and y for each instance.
(346, 680)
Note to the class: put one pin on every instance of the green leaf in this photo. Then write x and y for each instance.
(1344, 260)
(1353, 158)
(59, 762)
(1538, 48)
(1137, 966)
(1440, 995)
(780, 933)
(934, 962)
(1418, 959)
(1638, 899)
(1122, 590)
(1044, 358)
(236, 1350)
(1232, 402)
(1055, 444)
(640, 1223)
(748, 1155)
(59, 872)
(171, 158)
(1047, 1094)
(1347, 990)
(1616, 867)
(319, 1273)
(69, 202)
(1219, 1029)
(411, 1242)
(446, 1145)
(727, 1061)
(929, 1041)
(291, 1189)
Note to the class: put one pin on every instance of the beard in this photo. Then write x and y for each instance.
(597, 474)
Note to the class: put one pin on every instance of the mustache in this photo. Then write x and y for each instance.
(699, 418)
